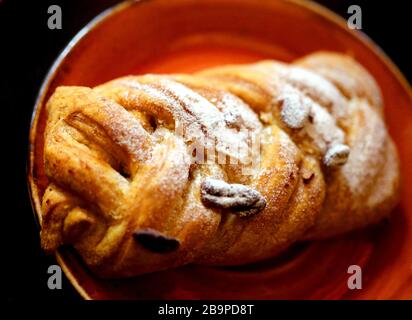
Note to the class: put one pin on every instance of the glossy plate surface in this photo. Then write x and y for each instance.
(162, 36)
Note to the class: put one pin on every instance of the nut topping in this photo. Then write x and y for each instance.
(337, 155)
(155, 241)
(241, 199)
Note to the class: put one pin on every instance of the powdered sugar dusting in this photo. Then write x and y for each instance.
(317, 88)
(124, 129)
(367, 149)
(323, 128)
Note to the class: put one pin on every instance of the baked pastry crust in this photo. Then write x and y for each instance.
(224, 167)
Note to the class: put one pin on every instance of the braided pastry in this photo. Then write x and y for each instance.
(224, 167)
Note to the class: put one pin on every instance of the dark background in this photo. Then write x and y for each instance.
(27, 50)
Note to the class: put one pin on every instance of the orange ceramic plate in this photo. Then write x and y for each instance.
(187, 35)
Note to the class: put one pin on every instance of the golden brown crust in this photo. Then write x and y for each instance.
(292, 154)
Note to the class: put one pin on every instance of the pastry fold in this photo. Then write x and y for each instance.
(224, 167)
